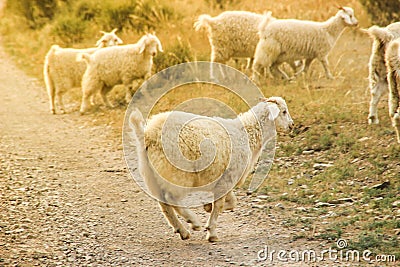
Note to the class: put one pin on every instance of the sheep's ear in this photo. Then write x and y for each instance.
(159, 46)
(102, 32)
(142, 47)
(273, 112)
(114, 30)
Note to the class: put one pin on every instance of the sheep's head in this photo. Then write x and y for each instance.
(279, 113)
(151, 44)
(347, 15)
(109, 39)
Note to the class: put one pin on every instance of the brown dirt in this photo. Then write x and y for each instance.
(66, 198)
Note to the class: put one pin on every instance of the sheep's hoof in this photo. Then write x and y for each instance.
(373, 120)
(183, 233)
(53, 111)
(195, 227)
(212, 239)
(208, 207)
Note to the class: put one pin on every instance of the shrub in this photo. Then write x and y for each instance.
(69, 30)
(382, 12)
(37, 12)
(179, 52)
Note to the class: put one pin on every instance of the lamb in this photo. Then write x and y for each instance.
(123, 64)
(377, 75)
(233, 34)
(254, 127)
(392, 58)
(287, 40)
(62, 72)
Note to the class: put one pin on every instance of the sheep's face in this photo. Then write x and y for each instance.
(109, 39)
(151, 44)
(280, 113)
(347, 14)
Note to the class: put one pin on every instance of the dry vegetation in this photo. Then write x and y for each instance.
(331, 118)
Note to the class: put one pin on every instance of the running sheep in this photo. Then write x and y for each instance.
(377, 75)
(62, 72)
(254, 128)
(392, 58)
(111, 66)
(287, 40)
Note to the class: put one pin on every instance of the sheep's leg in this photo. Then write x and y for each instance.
(376, 93)
(396, 124)
(170, 215)
(92, 100)
(103, 92)
(60, 102)
(281, 73)
(52, 101)
(394, 101)
(328, 74)
(230, 203)
(89, 88)
(190, 217)
(307, 65)
(212, 220)
(217, 57)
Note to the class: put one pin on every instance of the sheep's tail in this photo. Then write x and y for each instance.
(265, 21)
(83, 57)
(47, 78)
(379, 33)
(146, 170)
(202, 22)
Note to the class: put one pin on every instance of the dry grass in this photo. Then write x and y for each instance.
(331, 119)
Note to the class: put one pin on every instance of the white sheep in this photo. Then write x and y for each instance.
(287, 40)
(254, 128)
(62, 72)
(377, 75)
(392, 58)
(233, 34)
(111, 66)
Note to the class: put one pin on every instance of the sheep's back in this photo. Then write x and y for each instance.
(112, 64)
(236, 33)
(64, 69)
(298, 39)
(189, 141)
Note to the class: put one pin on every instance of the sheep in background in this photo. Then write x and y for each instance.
(287, 40)
(392, 58)
(255, 123)
(377, 75)
(111, 66)
(233, 34)
(62, 72)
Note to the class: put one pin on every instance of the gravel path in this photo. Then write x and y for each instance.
(66, 198)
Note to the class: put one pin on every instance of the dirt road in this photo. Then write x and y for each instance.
(66, 198)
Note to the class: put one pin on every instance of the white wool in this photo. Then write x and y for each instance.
(151, 142)
(62, 72)
(287, 40)
(377, 75)
(392, 58)
(111, 66)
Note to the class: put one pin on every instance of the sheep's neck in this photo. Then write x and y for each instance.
(253, 121)
(334, 27)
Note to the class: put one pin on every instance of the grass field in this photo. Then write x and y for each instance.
(330, 117)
